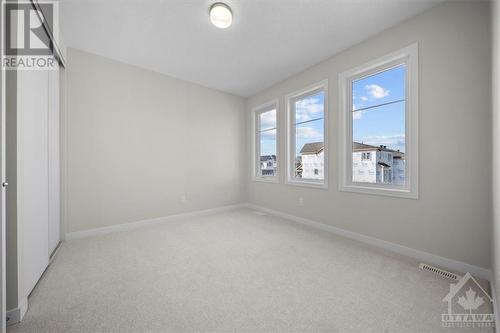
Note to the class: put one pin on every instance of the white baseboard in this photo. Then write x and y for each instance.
(139, 224)
(450, 264)
(15, 315)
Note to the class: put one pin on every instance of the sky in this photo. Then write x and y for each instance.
(383, 125)
(309, 119)
(268, 133)
(377, 125)
(309, 124)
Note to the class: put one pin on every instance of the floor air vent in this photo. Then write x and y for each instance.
(439, 271)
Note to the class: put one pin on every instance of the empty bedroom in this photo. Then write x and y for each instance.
(250, 166)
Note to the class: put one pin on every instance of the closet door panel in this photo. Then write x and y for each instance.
(54, 169)
(32, 139)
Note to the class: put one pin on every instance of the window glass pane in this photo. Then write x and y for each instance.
(384, 87)
(267, 120)
(309, 137)
(378, 128)
(267, 144)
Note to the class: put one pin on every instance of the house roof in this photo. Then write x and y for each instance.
(312, 148)
(317, 147)
(356, 146)
(398, 154)
(267, 158)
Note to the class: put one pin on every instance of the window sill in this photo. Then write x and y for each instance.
(383, 191)
(273, 180)
(305, 183)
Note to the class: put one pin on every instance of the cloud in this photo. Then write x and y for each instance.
(357, 115)
(376, 91)
(308, 108)
(271, 134)
(268, 119)
(364, 98)
(309, 133)
(396, 141)
(385, 137)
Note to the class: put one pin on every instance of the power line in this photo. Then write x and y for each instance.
(379, 105)
(308, 121)
(267, 130)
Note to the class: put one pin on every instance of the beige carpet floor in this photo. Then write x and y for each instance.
(236, 271)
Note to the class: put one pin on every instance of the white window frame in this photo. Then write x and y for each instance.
(256, 176)
(290, 98)
(408, 56)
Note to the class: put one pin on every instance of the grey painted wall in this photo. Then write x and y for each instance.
(137, 141)
(452, 217)
(496, 144)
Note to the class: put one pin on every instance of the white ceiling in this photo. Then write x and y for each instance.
(269, 40)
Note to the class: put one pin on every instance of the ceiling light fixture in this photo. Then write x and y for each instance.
(221, 15)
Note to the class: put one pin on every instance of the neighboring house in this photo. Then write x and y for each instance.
(268, 165)
(398, 165)
(371, 164)
(377, 164)
(298, 167)
(313, 157)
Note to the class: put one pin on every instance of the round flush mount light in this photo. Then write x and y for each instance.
(221, 15)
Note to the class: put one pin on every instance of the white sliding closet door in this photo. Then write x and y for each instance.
(54, 169)
(33, 168)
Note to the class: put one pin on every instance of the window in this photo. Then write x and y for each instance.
(307, 136)
(379, 113)
(266, 142)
